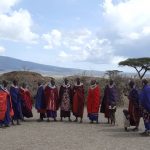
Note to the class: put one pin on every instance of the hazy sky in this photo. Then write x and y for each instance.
(87, 34)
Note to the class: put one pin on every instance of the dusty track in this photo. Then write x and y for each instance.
(32, 135)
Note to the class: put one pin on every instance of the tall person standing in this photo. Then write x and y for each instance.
(51, 99)
(78, 100)
(133, 108)
(145, 103)
(93, 101)
(16, 103)
(40, 103)
(26, 101)
(65, 100)
(110, 98)
(6, 110)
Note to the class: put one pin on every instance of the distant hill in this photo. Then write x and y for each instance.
(8, 64)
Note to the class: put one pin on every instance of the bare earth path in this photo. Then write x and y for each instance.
(32, 135)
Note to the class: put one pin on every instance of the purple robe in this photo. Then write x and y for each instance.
(110, 98)
(145, 103)
(40, 100)
(145, 98)
(16, 103)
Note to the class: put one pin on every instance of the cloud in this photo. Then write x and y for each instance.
(64, 56)
(80, 45)
(16, 25)
(129, 23)
(129, 17)
(53, 39)
(124, 33)
(2, 49)
(5, 5)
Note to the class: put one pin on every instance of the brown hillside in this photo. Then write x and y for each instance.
(30, 78)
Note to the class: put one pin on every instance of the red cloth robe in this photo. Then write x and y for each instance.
(3, 104)
(26, 101)
(26, 97)
(78, 100)
(51, 98)
(4, 97)
(133, 108)
(93, 100)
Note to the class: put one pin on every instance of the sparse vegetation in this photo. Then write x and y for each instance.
(32, 78)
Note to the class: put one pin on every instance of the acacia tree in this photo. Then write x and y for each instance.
(112, 73)
(141, 65)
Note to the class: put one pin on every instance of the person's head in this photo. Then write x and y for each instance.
(24, 85)
(4, 83)
(144, 82)
(39, 83)
(52, 81)
(93, 82)
(78, 81)
(111, 82)
(66, 81)
(15, 83)
(131, 84)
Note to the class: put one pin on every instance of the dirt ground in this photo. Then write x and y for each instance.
(33, 135)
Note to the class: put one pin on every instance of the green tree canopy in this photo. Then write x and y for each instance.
(141, 65)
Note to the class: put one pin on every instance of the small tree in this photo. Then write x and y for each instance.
(112, 73)
(141, 65)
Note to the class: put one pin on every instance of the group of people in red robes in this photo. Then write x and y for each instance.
(49, 99)
(15, 104)
(72, 99)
